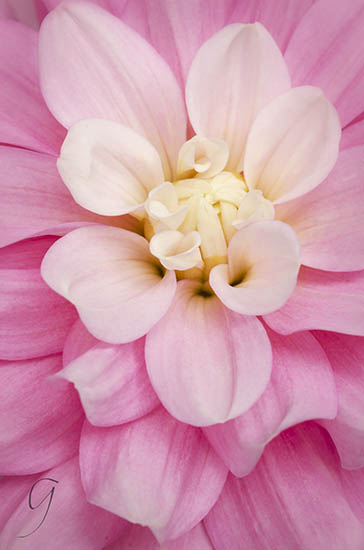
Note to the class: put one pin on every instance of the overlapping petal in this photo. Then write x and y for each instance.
(293, 144)
(34, 321)
(51, 420)
(206, 363)
(155, 471)
(293, 499)
(235, 73)
(263, 262)
(302, 387)
(109, 72)
(112, 279)
(323, 300)
(111, 379)
(326, 50)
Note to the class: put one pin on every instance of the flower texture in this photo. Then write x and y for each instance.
(182, 304)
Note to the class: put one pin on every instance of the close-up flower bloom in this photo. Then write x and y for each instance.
(182, 275)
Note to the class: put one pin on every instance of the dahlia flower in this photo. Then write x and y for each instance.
(182, 313)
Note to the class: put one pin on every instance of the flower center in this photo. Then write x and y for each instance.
(190, 221)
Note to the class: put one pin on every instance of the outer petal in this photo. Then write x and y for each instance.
(24, 118)
(301, 388)
(70, 521)
(279, 17)
(34, 321)
(112, 279)
(40, 418)
(293, 144)
(346, 355)
(97, 60)
(293, 499)
(323, 300)
(329, 221)
(353, 135)
(34, 199)
(112, 380)
(108, 168)
(206, 363)
(140, 538)
(154, 471)
(323, 47)
(245, 69)
(12, 492)
(263, 262)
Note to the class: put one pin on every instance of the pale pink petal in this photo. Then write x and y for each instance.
(346, 355)
(111, 379)
(301, 388)
(293, 500)
(279, 17)
(34, 321)
(323, 300)
(90, 66)
(141, 538)
(34, 199)
(263, 262)
(40, 418)
(71, 522)
(329, 221)
(24, 118)
(327, 50)
(206, 363)
(353, 135)
(293, 144)
(245, 69)
(24, 12)
(108, 167)
(155, 471)
(110, 276)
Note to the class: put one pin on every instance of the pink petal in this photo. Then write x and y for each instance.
(141, 538)
(279, 17)
(245, 69)
(37, 414)
(293, 144)
(353, 484)
(112, 279)
(34, 199)
(293, 500)
(71, 522)
(353, 135)
(301, 388)
(34, 321)
(154, 471)
(12, 491)
(108, 167)
(323, 300)
(90, 66)
(346, 355)
(24, 13)
(112, 380)
(224, 377)
(329, 221)
(263, 261)
(24, 119)
(327, 43)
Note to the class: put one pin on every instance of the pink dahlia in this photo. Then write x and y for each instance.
(182, 297)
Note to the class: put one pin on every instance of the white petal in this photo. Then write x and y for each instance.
(205, 156)
(176, 250)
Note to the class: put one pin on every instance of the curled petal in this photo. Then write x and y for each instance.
(293, 144)
(112, 279)
(155, 471)
(263, 263)
(108, 168)
(176, 250)
(162, 206)
(206, 363)
(244, 68)
(205, 156)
